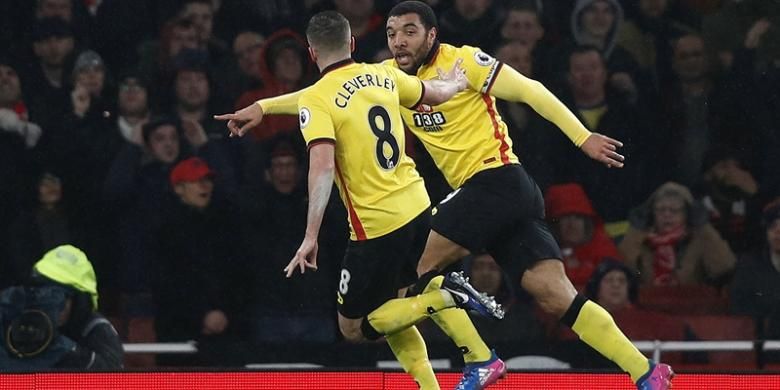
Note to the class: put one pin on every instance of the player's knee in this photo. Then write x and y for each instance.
(351, 334)
(553, 306)
(548, 299)
(439, 253)
(550, 287)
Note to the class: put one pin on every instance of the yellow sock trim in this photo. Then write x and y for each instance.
(401, 313)
(457, 325)
(596, 327)
(409, 348)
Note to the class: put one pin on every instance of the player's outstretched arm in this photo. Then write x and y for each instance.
(321, 170)
(239, 122)
(439, 91)
(513, 86)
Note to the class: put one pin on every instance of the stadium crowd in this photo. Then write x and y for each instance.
(108, 143)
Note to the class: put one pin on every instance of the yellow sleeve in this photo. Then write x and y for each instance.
(315, 121)
(283, 104)
(410, 89)
(513, 86)
(480, 68)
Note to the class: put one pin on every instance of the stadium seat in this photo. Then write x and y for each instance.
(723, 328)
(140, 330)
(649, 325)
(684, 300)
(641, 325)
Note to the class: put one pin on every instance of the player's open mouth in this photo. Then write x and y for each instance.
(403, 58)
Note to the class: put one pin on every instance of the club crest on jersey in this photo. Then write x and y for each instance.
(483, 58)
(424, 108)
(304, 117)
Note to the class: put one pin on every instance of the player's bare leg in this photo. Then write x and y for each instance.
(546, 280)
(439, 253)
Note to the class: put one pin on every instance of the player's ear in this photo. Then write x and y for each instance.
(351, 43)
(312, 55)
(432, 34)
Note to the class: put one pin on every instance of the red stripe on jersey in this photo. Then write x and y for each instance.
(353, 217)
(493, 77)
(502, 149)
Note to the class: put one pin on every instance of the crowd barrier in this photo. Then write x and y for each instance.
(657, 347)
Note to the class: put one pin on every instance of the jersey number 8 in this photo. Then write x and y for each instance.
(344, 281)
(384, 136)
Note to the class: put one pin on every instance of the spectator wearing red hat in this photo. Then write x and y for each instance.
(196, 254)
(192, 181)
(136, 191)
(579, 231)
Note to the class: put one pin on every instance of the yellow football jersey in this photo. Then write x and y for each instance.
(357, 106)
(464, 135)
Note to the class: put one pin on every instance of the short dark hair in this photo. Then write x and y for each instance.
(582, 49)
(328, 30)
(607, 265)
(424, 11)
(771, 213)
(185, 3)
(152, 126)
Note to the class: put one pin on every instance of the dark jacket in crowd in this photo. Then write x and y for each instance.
(198, 258)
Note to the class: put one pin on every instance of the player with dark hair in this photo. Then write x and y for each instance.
(352, 124)
(496, 206)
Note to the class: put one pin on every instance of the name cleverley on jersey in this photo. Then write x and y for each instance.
(361, 81)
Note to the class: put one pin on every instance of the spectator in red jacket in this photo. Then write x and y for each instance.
(579, 230)
(284, 67)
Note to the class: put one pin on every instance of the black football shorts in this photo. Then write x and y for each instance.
(374, 270)
(499, 211)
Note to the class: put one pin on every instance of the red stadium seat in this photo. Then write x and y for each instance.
(641, 325)
(723, 328)
(683, 300)
(648, 325)
(140, 330)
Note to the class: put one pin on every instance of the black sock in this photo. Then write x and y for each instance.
(421, 283)
(368, 331)
(573, 311)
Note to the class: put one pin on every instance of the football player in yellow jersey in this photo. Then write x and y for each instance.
(496, 206)
(351, 122)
